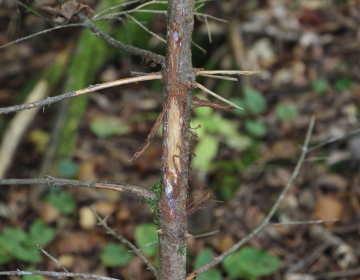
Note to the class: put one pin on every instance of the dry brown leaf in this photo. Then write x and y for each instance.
(332, 182)
(77, 242)
(328, 207)
(69, 9)
(87, 219)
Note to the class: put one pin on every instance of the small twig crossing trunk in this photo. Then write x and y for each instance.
(178, 78)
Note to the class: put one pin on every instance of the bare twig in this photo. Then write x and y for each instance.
(228, 72)
(147, 30)
(265, 222)
(217, 96)
(117, 6)
(304, 222)
(204, 103)
(52, 181)
(57, 274)
(334, 139)
(155, 127)
(220, 77)
(198, 7)
(200, 48)
(208, 29)
(212, 17)
(204, 234)
(37, 14)
(40, 33)
(51, 257)
(119, 45)
(135, 250)
(338, 274)
(72, 94)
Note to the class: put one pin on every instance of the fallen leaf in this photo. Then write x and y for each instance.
(332, 182)
(328, 207)
(69, 9)
(87, 218)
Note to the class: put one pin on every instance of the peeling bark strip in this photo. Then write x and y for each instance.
(178, 78)
(155, 127)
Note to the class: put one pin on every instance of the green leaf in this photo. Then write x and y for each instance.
(115, 255)
(251, 263)
(40, 233)
(320, 86)
(211, 274)
(32, 277)
(206, 150)
(5, 255)
(19, 245)
(145, 234)
(203, 258)
(254, 100)
(344, 83)
(255, 128)
(66, 168)
(106, 126)
(286, 112)
(239, 142)
(62, 201)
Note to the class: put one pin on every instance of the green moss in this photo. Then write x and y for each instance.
(180, 250)
(154, 202)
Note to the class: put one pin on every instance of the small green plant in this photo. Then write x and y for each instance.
(251, 264)
(344, 83)
(286, 112)
(115, 255)
(320, 86)
(17, 244)
(145, 234)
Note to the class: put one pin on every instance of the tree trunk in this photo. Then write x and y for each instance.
(178, 77)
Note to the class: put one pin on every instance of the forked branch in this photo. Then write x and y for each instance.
(52, 181)
(72, 94)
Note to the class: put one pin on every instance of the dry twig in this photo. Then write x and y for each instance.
(135, 250)
(72, 94)
(52, 181)
(57, 274)
(217, 96)
(51, 257)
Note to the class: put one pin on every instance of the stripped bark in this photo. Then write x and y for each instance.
(178, 78)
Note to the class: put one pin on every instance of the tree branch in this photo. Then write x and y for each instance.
(134, 250)
(214, 94)
(147, 55)
(72, 94)
(297, 223)
(58, 274)
(52, 181)
(40, 33)
(51, 257)
(265, 222)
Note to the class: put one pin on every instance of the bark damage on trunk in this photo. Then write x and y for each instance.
(178, 78)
